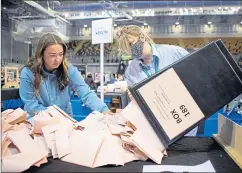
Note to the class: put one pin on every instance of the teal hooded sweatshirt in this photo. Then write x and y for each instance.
(49, 93)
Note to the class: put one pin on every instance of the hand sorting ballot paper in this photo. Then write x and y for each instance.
(122, 136)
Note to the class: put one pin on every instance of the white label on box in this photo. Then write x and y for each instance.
(171, 103)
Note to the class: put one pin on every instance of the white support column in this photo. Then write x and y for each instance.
(101, 70)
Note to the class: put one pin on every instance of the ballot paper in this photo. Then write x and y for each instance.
(111, 151)
(14, 116)
(49, 134)
(62, 141)
(204, 167)
(144, 136)
(102, 140)
(85, 146)
(28, 155)
(43, 118)
(93, 121)
(6, 112)
(40, 140)
(6, 126)
(182, 95)
(65, 120)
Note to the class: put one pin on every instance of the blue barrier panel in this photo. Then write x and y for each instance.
(80, 111)
(211, 124)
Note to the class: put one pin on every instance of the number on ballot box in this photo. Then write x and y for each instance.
(176, 116)
(184, 110)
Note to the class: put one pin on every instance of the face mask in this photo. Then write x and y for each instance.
(137, 49)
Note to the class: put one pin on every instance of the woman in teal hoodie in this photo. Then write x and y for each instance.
(48, 79)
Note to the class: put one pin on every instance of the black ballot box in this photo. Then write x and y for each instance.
(184, 94)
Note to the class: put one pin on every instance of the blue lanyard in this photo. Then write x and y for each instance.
(156, 67)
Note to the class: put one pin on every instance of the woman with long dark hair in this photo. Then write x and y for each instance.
(48, 79)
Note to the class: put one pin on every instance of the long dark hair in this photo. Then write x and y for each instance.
(37, 62)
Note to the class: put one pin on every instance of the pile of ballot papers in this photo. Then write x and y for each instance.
(96, 141)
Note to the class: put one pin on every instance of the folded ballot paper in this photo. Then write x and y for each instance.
(179, 97)
(87, 143)
(103, 136)
(19, 149)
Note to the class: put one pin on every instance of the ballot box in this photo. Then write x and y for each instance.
(184, 94)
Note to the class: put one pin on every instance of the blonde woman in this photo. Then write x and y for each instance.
(48, 79)
(148, 58)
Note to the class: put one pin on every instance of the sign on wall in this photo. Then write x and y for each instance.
(102, 31)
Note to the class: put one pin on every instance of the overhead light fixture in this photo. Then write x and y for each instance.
(226, 8)
(233, 9)
(177, 23)
(4, 8)
(115, 25)
(241, 22)
(28, 42)
(66, 14)
(200, 9)
(138, 12)
(133, 12)
(209, 23)
(145, 24)
(220, 8)
(85, 26)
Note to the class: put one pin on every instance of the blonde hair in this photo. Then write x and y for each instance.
(126, 32)
(37, 62)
